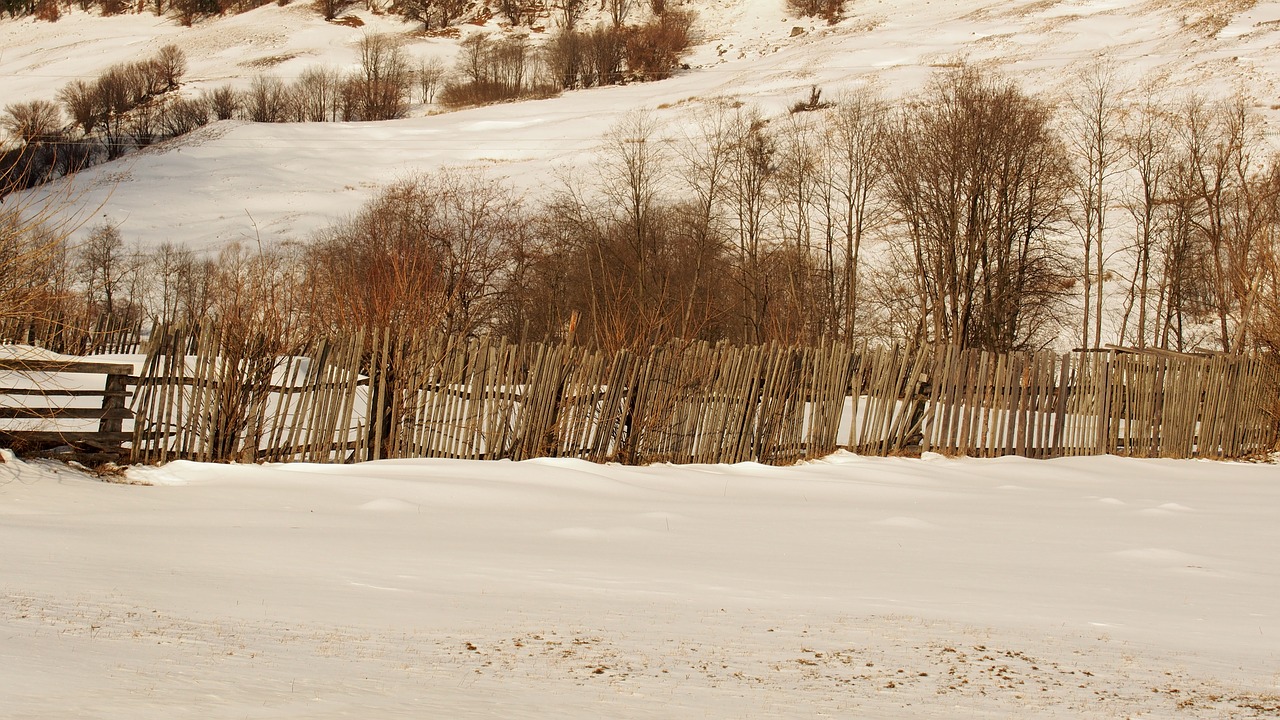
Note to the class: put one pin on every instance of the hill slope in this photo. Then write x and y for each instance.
(242, 181)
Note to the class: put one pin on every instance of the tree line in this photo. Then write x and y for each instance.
(134, 104)
(974, 214)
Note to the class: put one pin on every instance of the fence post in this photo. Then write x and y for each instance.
(114, 411)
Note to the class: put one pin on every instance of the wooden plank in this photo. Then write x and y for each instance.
(65, 366)
(66, 413)
(87, 437)
(59, 392)
(1061, 393)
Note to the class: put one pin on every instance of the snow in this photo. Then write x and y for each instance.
(239, 182)
(853, 587)
(850, 587)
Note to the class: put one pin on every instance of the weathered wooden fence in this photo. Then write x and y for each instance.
(1147, 403)
(75, 336)
(29, 395)
(382, 395)
(391, 395)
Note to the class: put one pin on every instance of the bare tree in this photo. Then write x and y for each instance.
(1217, 186)
(430, 75)
(32, 122)
(170, 64)
(519, 12)
(800, 316)
(83, 104)
(382, 83)
(751, 201)
(1146, 140)
(105, 268)
(1093, 130)
(428, 251)
(223, 102)
(330, 9)
(316, 94)
(570, 13)
(856, 132)
(633, 167)
(618, 10)
(266, 100)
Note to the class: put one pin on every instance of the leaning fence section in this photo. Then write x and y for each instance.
(384, 394)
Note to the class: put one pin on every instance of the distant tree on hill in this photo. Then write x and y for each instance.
(32, 122)
(381, 85)
(830, 10)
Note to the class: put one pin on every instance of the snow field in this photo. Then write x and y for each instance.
(1098, 587)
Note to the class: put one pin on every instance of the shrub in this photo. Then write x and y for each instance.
(829, 10)
(654, 49)
(223, 102)
(37, 121)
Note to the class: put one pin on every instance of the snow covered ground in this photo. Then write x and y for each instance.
(851, 587)
(236, 181)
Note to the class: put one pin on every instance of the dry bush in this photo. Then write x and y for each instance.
(48, 10)
(331, 9)
(223, 102)
(31, 122)
(183, 115)
(605, 53)
(655, 48)
(427, 252)
(519, 12)
(440, 12)
(266, 100)
(33, 247)
(830, 10)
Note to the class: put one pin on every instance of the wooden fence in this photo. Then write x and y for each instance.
(1146, 403)
(390, 395)
(46, 403)
(75, 336)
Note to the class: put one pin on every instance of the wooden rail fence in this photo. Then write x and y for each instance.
(382, 394)
(52, 402)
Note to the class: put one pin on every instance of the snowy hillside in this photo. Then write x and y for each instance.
(236, 181)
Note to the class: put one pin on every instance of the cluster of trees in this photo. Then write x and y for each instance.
(1198, 189)
(830, 10)
(606, 54)
(975, 214)
(379, 89)
(128, 105)
(186, 11)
